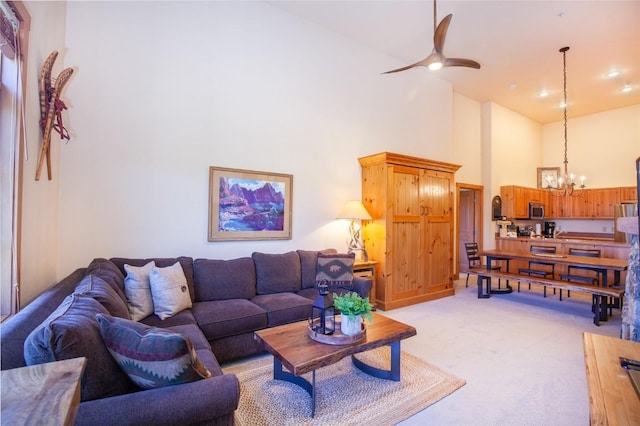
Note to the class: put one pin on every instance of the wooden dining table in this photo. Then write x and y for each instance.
(601, 264)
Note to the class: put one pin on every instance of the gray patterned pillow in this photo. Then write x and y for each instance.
(335, 269)
(152, 357)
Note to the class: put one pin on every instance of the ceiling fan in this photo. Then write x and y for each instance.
(436, 59)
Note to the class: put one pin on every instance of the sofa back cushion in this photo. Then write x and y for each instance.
(72, 331)
(277, 273)
(309, 264)
(224, 279)
(100, 290)
(161, 262)
(110, 273)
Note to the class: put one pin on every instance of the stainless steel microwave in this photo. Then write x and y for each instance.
(536, 211)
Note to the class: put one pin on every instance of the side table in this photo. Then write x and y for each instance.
(45, 393)
(367, 270)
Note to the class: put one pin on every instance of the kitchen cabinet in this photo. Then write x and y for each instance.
(411, 233)
(594, 203)
(628, 193)
(516, 199)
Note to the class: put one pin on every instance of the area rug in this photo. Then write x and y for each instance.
(344, 394)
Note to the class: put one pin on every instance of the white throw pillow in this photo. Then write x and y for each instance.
(169, 290)
(138, 290)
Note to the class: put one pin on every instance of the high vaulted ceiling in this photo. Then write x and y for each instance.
(516, 42)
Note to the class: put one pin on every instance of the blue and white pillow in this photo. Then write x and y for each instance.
(152, 357)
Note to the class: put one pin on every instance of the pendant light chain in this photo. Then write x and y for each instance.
(564, 74)
(568, 186)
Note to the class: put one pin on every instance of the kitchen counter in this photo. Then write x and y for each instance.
(572, 240)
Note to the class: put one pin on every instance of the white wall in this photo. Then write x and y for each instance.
(39, 242)
(512, 150)
(163, 90)
(603, 147)
(467, 139)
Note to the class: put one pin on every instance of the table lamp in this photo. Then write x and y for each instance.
(355, 211)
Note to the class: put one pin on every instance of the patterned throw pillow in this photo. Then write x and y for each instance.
(138, 290)
(152, 357)
(169, 290)
(335, 269)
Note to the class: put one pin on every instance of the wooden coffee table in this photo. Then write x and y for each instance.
(292, 348)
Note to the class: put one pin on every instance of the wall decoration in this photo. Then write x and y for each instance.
(548, 176)
(249, 205)
(51, 107)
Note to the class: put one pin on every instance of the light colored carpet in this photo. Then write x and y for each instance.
(344, 394)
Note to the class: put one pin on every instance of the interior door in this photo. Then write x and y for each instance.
(468, 225)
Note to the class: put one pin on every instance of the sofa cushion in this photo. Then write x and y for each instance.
(109, 272)
(222, 318)
(193, 332)
(335, 269)
(72, 331)
(309, 266)
(277, 273)
(224, 279)
(181, 318)
(283, 308)
(169, 290)
(104, 293)
(152, 357)
(137, 289)
(162, 262)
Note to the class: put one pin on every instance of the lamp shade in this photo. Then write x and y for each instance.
(354, 210)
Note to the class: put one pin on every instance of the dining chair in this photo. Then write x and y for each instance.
(474, 260)
(539, 268)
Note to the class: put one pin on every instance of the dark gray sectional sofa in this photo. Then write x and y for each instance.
(230, 300)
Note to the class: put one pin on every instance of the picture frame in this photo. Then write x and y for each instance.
(249, 205)
(548, 173)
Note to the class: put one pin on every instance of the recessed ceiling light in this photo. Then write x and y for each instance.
(513, 85)
(626, 89)
(613, 73)
(544, 93)
(562, 105)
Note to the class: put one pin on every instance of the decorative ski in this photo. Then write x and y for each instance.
(45, 87)
(55, 105)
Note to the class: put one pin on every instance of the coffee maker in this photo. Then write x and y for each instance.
(549, 229)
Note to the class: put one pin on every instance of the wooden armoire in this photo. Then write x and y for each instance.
(411, 233)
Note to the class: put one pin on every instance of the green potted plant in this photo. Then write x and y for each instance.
(352, 308)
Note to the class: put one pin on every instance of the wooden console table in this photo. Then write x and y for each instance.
(45, 393)
(612, 397)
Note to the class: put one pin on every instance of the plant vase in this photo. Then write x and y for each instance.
(351, 325)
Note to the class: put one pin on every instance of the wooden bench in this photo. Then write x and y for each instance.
(600, 294)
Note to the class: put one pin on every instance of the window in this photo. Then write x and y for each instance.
(14, 25)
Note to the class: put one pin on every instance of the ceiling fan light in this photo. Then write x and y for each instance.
(435, 66)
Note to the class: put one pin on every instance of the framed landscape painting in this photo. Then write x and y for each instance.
(249, 205)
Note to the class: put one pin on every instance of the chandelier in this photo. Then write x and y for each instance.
(566, 184)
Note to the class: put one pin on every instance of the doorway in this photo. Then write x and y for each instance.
(469, 199)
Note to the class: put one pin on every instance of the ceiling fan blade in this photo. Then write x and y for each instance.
(459, 62)
(423, 63)
(441, 33)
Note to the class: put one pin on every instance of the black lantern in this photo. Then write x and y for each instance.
(323, 318)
